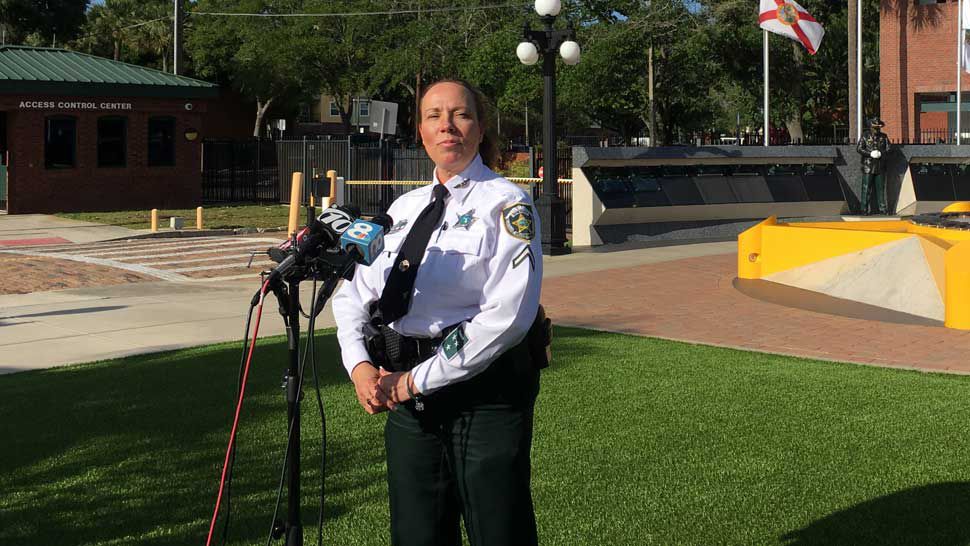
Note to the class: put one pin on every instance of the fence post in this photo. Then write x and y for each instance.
(259, 169)
(532, 161)
(332, 194)
(339, 191)
(350, 160)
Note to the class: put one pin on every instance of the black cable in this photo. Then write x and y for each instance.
(323, 418)
(289, 433)
(232, 457)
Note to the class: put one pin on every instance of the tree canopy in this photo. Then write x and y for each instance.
(706, 56)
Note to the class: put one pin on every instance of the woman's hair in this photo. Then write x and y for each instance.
(488, 149)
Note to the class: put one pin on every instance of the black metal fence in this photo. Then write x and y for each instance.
(564, 162)
(261, 170)
(234, 171)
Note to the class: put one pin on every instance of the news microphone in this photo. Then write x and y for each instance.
(324, 232)
(333, 220)
(365, 240)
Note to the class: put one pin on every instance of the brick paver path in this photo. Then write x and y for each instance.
(694, 300)
(26, 274)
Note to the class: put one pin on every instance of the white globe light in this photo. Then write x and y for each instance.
(570, 52)
(548, 7)
(527, 53)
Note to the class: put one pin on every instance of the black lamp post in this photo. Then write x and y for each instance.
(545, 42)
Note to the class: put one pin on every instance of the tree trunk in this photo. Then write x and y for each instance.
(261, 108)
(794, 121)
(417, 106)
(853, 42)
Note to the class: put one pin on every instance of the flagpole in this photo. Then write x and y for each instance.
(858, 72)
(959, 64)
(766, 138)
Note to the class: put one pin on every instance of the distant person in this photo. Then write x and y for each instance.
(445, 330)
(873, 147)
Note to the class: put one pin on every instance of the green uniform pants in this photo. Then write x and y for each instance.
(873, 204)
(467, 455)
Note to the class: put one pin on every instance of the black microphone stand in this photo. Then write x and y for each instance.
(330, 269)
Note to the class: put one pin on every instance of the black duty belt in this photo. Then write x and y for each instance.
(400, 353)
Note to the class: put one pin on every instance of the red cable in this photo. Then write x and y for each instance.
(235, 421)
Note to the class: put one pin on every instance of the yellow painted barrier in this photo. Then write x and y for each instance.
(772, 247)
(957, 298)
(749, 250)
(154, 220)
(198, 218)
(959, 206)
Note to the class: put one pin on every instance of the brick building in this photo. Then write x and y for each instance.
(917, 63)
(79, 132)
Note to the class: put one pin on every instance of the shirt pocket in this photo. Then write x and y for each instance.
(456, 259)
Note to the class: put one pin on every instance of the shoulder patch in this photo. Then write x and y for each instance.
(454, 342)
(518, 221)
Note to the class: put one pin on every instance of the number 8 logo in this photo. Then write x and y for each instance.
(360, 230)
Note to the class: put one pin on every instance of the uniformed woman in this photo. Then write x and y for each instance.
(436, 330)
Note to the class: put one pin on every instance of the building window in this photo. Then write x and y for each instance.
(333, 108)
(112, 141)
(60, 142)
(363, 108)
(161, 141)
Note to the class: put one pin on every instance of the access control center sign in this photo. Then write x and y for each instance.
(72, 105)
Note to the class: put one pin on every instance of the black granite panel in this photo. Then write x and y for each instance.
(821, 182)
(785, 183)
(961, 182)
(933, 182)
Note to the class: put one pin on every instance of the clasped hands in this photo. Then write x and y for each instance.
(379, 390)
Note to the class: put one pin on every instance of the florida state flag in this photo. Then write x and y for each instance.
(789, 19)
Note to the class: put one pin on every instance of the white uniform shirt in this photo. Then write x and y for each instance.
(482, 268)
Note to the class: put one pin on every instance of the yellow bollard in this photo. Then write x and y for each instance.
(154, 220)
(295, 193)
(198, 218)
(332, 175)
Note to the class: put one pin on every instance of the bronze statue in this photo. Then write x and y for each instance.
(873, 147)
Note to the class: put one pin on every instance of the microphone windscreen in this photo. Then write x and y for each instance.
(366, 239)
(351, 208)
(383, 220)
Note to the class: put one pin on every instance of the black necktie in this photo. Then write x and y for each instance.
(396, 298)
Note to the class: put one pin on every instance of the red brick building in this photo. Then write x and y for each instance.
(918, 70)
(79, 132)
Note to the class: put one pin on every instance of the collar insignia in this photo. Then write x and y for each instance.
(398, 226)
(463, 183)
(466, 220)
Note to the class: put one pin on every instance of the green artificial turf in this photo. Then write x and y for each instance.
(213, 217)
(637, 441)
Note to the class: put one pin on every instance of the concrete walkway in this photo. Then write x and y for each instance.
(27, 229)
(684, 292)
(45, 329)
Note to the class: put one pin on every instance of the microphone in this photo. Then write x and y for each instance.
(324, 232)
(335, 220)
(365, 240)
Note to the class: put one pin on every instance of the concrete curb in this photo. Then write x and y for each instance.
(172, 234)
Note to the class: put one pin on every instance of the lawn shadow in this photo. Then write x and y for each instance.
(931, 514)
(134, 447)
